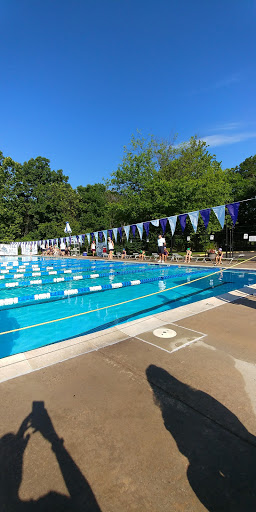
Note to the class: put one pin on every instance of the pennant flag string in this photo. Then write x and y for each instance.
(232, 208)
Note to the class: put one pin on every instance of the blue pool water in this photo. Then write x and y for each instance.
(33, 291)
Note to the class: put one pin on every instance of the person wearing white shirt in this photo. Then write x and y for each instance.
(110, 248)
(93, 248)
(161, 244)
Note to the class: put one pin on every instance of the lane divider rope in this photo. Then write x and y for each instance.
(64, 294)
(20, 284)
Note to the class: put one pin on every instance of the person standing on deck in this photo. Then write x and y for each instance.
(110, 248)
(161, 244)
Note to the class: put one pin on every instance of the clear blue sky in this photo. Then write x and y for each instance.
(78, 77)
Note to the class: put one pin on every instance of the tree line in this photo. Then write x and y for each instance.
(154, 179)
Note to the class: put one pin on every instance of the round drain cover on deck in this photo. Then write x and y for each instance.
(164, 333)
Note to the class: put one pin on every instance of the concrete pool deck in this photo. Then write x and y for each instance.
(148, 423)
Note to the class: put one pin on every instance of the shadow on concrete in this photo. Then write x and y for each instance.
(246, 301)
(12, 448)
(220, 450)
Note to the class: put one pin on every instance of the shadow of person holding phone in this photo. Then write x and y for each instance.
(221, 452)
(12, 448)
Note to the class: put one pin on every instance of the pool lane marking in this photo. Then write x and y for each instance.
(124, 302)
(175, 349)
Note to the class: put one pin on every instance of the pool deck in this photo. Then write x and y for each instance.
(149, 423)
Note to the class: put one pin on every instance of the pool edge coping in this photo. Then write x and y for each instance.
(17, 365)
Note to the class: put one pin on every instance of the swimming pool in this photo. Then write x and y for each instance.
(38, 290)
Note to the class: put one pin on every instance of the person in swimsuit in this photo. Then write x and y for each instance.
(188, 255)
(142, 255)
(166, 254)
(123, 253)
(219, 256)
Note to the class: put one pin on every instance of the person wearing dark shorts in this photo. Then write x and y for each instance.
(161, 245)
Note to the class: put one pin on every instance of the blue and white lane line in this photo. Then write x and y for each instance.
(64, 294)
(32, 268)
(53, 266)
(39, 273)
(22, 284)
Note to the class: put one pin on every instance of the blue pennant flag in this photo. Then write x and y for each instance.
(163, 223)
(183, 219)
(133, 226)
(205, 214)
(146, 227)
(233, 211)
(155, 223)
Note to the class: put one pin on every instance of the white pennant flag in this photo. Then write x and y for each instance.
(172, 221)
(220, 214)
(115, 233)
(127, 231)
(194, 219)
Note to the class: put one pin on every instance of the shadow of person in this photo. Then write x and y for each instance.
(220, 450)
(12, 448)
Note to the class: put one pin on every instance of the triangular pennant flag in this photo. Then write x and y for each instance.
(115, 233)
(96, 235)
(110, 232)
(172, 221)
(205, 214)
(120, 232)
(233, 211)
(220, 214)
(163, 223)
(140, 229)
(155, 223)
(88, 237)
(183, 219)
(146, 227)
(194, 219)
(100, 235)
(127, 231)
(133, 226)
(105, 233)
